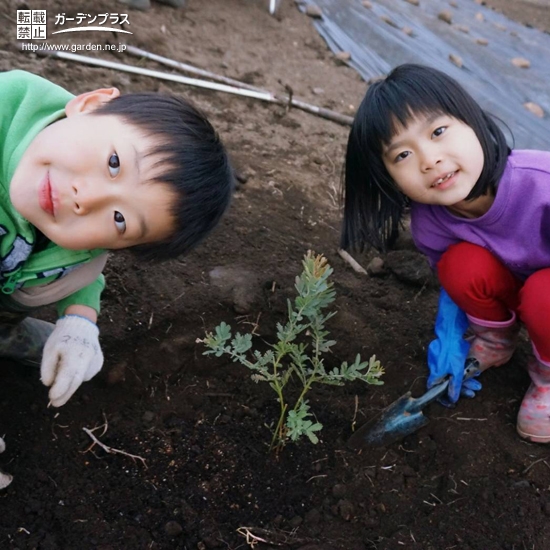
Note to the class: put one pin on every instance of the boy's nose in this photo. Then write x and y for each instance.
(87, 197)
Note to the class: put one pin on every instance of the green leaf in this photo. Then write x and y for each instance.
(242, 343)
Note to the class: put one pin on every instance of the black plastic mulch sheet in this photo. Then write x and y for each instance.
(487, 72)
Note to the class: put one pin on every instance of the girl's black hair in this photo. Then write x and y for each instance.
(194, 162)
(373, 204)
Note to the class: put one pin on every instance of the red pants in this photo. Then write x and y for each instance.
(484, 288)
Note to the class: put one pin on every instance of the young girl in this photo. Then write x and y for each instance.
(479, 212)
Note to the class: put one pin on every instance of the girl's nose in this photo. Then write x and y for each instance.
(430, 159)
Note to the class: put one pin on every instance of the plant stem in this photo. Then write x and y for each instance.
(307, 386)
(277, 433)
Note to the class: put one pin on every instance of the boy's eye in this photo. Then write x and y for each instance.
(438, 131)
(114, 165)
(402, 156)
(120, 222)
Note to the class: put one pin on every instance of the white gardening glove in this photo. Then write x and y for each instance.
(72, 355)
(5, 479)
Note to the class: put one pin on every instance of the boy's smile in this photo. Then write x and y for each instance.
(86, 181)
(45, 198)
(437, 160)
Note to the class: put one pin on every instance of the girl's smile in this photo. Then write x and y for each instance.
(437, 159)
(444, 182)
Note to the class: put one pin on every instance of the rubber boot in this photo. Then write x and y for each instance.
(534, 414)
(493, 343)
(24, 341)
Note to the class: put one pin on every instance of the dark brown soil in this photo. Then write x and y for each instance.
(465, 481)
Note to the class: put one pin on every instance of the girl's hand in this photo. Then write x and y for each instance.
(447, 353)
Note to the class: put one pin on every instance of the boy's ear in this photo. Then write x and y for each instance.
(89, 101)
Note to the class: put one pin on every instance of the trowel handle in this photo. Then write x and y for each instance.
(432, 394)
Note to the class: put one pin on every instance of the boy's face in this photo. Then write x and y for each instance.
(83, 181)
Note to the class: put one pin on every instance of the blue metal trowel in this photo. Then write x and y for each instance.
(446, 355)
(403, 417)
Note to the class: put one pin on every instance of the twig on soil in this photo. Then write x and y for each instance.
(533, 464)
(315, 477)
(255, 325)
(369, 478)
(333, 195)
(171, 302)
(455, 500)
(276, 538)
(353, 263)
(106, 448)
(55, 438)
(417, 295)
(451, 477)
(473, 419)
(401, 448)
(342, 456)
(332, 164)
(354, 419)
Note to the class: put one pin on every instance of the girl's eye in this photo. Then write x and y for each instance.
(114, 165)
(120, 222)
(438, 131)
(402, 156)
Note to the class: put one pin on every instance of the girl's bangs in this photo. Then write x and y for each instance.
(396, 106)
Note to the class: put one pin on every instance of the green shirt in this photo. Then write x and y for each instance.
(29, 103)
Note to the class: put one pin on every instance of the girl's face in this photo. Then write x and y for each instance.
(437, 159)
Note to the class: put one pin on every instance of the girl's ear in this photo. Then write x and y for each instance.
(90, 101)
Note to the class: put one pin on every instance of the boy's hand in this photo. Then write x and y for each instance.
(72, 355)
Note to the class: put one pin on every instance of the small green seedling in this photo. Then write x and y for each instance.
(298, 353)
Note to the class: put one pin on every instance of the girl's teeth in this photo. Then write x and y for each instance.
(441, 180)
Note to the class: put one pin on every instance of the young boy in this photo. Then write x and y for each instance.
(80, 176)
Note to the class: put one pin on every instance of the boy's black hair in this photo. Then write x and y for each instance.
(373, 204)
(194, 164)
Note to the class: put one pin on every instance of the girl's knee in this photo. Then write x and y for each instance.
(534, 295)
(479, 282)
(534, 310)
(465, 265)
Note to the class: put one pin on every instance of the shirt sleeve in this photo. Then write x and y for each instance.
(88, 296)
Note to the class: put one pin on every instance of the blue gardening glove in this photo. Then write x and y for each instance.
(72, 355)
(447, 353)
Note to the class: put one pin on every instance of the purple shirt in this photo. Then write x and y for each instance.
(516, 229)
